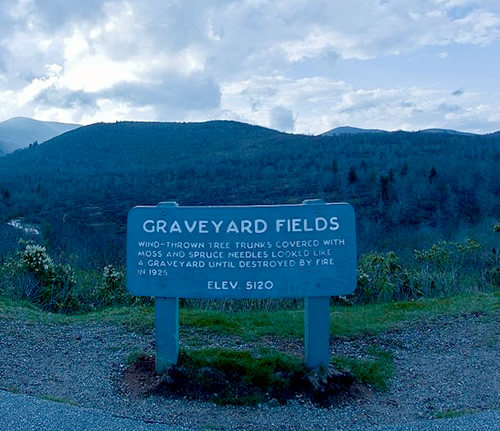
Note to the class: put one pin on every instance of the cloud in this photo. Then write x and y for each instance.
(54, 97)
(273, 63)
(282, 119)
(195, 93)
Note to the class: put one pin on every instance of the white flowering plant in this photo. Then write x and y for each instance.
(112, 290)
(55, 288)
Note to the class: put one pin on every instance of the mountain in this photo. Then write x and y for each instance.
(408, 188)
(19, 132)
(447, 132)
(346, 130)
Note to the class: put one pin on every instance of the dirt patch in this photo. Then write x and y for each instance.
(139, 378)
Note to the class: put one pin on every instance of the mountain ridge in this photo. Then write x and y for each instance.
(348, 130)
(20, 132)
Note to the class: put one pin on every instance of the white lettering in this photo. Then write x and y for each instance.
(217, 225)
(175, 227)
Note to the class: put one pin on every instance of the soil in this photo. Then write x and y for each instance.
(446, 365)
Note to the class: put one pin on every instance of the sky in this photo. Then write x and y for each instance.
(300, 66)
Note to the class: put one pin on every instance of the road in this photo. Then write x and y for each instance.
(25, 413)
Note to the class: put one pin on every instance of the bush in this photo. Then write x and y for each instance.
(446, 268)
(51, 285)
(112, 290)
(444, 263)
(382, 278)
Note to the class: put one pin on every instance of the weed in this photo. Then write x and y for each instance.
(10, 388)
(135, 356)
(450, 414)
(59, 400)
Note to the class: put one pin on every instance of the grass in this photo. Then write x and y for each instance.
(350, 321)
(347, 321)
(376, 371)
(374, 319)
(450, 414)
(250, 324)
(138, 318)
(59, 400)
(235, 377)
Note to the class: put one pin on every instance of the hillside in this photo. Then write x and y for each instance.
(408, 189)
(20, 132)
(347, 130)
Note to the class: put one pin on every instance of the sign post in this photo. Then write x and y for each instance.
(283, 251)
(166, 332)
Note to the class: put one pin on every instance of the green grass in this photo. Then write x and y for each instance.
(59, 400)
(350, 321)
(240, 377)
(249, 324)
(450, 414)
(377, 370)
(136, 318)
(374, 319)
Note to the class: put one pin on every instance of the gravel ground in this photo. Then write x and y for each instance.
(445, 365)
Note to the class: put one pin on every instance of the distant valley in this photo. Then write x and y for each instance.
(408, 189)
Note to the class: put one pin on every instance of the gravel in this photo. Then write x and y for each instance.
(444, 366)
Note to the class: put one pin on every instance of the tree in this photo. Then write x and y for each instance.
(5, 193)
(335, 167)
(432, 174)
(352, 176)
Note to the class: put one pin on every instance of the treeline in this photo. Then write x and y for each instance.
(408, 189)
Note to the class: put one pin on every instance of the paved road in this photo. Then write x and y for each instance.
(24, 413)
(484, 421)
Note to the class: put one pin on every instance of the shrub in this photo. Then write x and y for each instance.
(382, 278)
(443, 265)
(42, 281)
(112, 289)
(55, 284)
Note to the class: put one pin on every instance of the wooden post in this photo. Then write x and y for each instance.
(317, 323)
(166, 332)
(317, 332)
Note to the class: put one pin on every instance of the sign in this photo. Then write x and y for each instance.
(306, 250)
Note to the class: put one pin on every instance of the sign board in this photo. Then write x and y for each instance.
(306, 250)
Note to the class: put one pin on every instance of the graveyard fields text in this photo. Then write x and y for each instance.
(245, 226)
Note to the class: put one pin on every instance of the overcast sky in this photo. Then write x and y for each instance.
(302, 66)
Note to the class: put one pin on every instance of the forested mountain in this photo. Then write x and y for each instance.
(406, 188)
(20, 132)
(347, 130)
